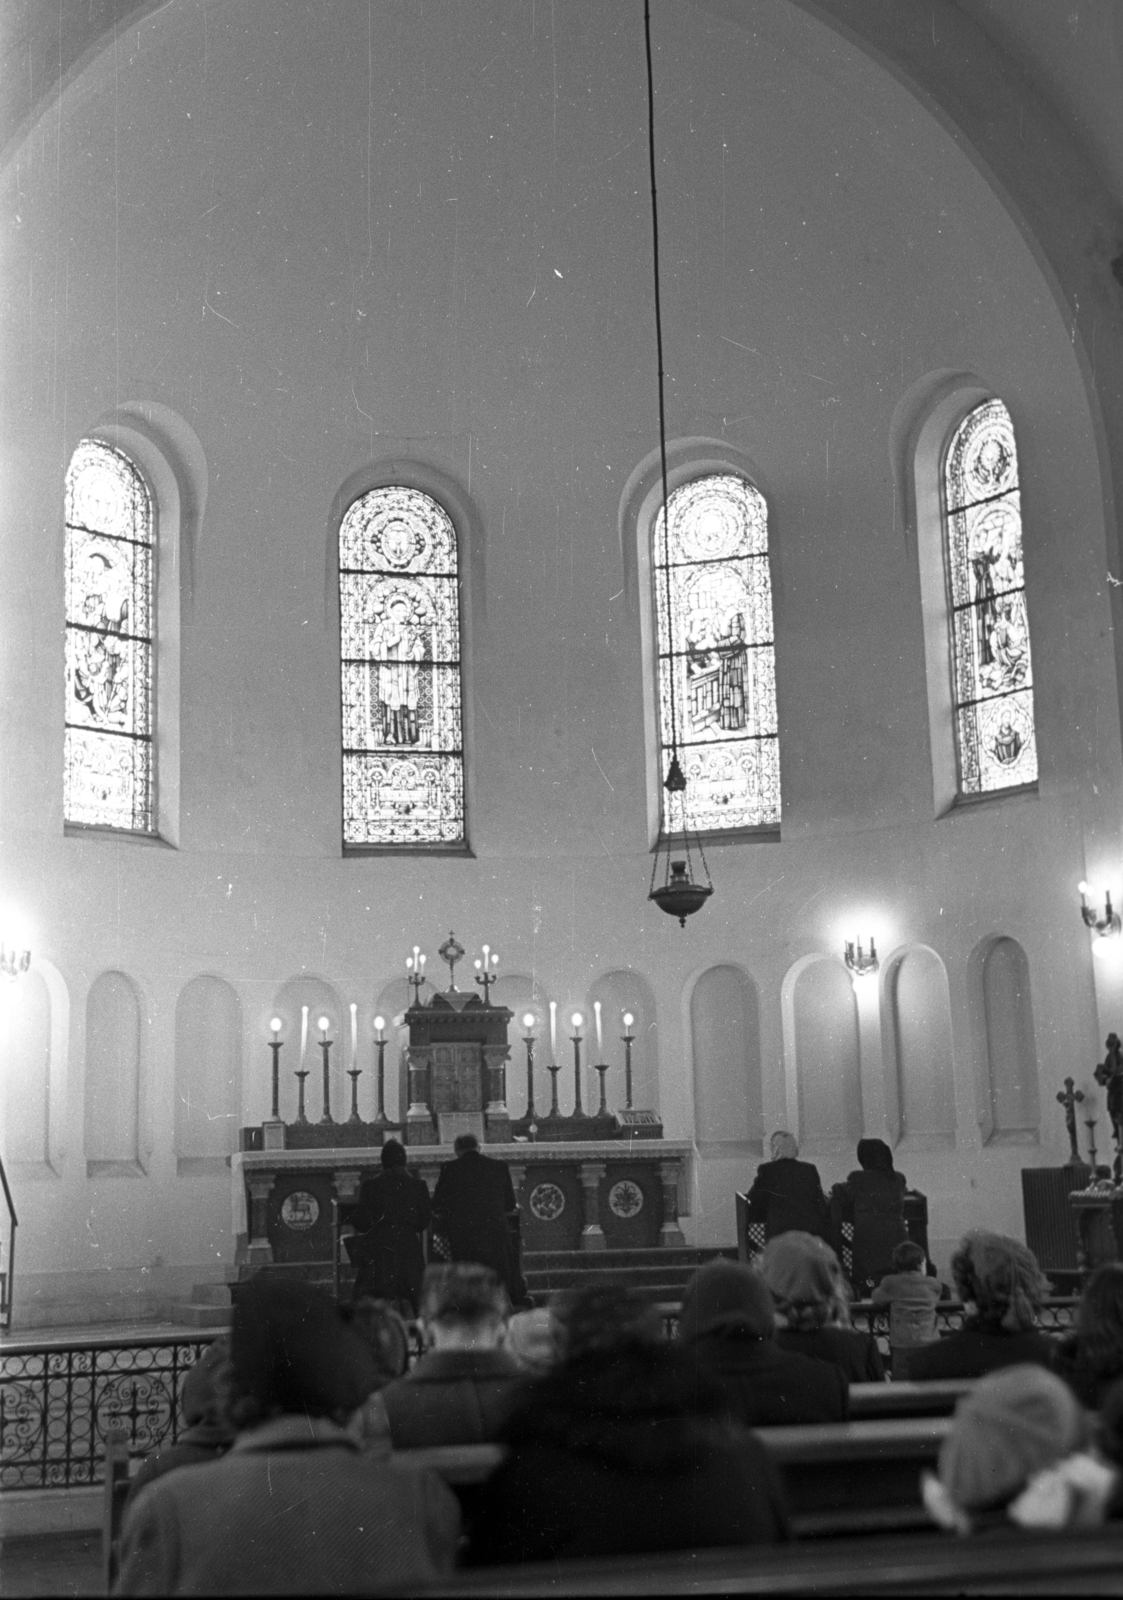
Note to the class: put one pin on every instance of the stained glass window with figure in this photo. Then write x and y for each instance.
(713, 600)
(110, 626)
(992, 673)
(403, 760)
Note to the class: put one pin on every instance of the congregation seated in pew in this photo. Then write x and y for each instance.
(728, 1328)
(624, 1446)
(812, 1296)
(465, 1384)
(1002, 1287)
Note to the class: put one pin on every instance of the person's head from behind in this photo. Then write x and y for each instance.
(908, 1257)
(463, 1307)
(602, 1317)
(464, 1142)
(533, 1339)
(874, 1155)
(1099, 1320)
(385, 1332)
(203, 1397)
(783, 1146)
(1001, 1279)
(393, 1154)
(1016, 1423)
(806, 1282)
(292, 1353)
(726, 1300)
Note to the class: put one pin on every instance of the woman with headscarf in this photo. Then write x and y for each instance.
(810, 1295)
(1001, 1287)
(393, 1211)
(873, 1200)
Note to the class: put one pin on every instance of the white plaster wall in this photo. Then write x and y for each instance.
(326, 248)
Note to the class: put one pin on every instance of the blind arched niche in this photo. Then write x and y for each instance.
(113, 1078)
(827, 1061)
(922, 1097)
(208, 1075)
(1010, 1112)
(725, 1036)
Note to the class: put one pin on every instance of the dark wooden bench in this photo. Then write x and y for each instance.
(936, 1399)
(925, 1563)
(842, 1477)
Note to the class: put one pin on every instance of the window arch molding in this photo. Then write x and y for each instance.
(640, 503)
(925, 424)
(453, 498)
(166, 453)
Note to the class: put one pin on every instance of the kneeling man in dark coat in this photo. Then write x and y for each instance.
(788, 1193)
(472, 1203)
(727, 1327)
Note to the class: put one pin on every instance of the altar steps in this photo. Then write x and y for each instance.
(660, 1275)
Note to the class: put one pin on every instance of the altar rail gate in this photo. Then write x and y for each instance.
(58, 1404)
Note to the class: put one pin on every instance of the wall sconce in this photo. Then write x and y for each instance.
(13, 961)
(1106, 927)
(859, 964)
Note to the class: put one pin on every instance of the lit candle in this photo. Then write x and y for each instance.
(528, 1020)
(275, 1026)
(553, 1030)
(303, 1035)
(628, 1020)
(600, 1038)
(379, 1024)
(354, 1032)
(323, 1025)
(576, 1020)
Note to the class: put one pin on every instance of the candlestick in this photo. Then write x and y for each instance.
(1090, 1124)
(325, 1046)
(578, 1109)
(484, 974)
(380, 1041)
(528, 1024)
(354, 1032)
(602, 1067)
(300, 1077)
(303, 1035)
(275, 1046)
(553, 1069)
(354, 1073)
(600, 1036)
(629, 1039)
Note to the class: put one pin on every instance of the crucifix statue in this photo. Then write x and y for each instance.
(1070, 1097)
(1109, 1074)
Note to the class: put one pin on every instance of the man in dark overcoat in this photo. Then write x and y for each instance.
(472, 1206)
(788, 1193)
(392, 1214)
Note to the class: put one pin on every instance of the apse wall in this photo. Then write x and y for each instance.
(447, 274)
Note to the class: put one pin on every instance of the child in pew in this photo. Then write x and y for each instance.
(912, 1298)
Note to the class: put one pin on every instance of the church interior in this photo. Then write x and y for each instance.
(282, 259)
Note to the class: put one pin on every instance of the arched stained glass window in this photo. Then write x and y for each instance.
(110, 627)
(992, 676)
(716, 657)
(403, 759)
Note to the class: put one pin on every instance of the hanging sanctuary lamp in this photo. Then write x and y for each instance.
(680, 878)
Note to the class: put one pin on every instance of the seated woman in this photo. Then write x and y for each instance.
(622, 1448)
(810, 1295)
(1090, 1358)
(1002, 1288)
(1017, 1452)
(727, 1326)
(873, 1200)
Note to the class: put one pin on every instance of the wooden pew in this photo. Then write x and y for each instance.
(841, 1477)
(1002, 1562)
(936, 1399)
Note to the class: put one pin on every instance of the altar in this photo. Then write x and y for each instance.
(582, 1195)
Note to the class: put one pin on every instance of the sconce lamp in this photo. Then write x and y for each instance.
(14, 961)
(859, 964)
(1106, 927)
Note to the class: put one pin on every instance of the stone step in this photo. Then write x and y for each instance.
(636, 1278)
(190, 1315)
(680, 1256)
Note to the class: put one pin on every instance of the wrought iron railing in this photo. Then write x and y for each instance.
(7, 1257)
(58, 1403)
